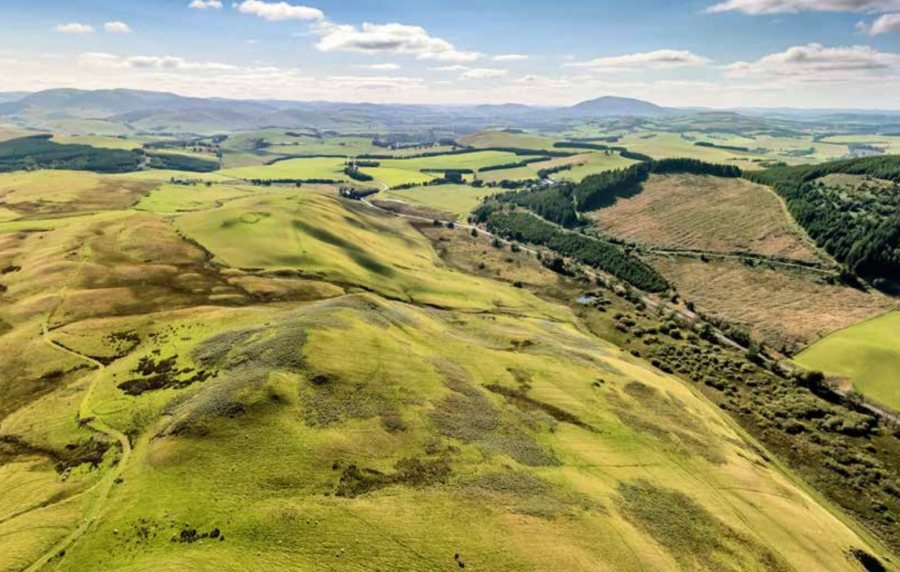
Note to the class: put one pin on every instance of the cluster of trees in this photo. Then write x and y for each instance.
(176, 162)
(724, 147)
(602, 190)
(553, 203)
(525, 227)
(39, 152)
(863, 233)
(352, 171)
(515, 165)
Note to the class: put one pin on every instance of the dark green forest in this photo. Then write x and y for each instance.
(861, 229)
(39, 152)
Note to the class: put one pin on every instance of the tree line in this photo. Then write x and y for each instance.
(860, 230)
(523, 227)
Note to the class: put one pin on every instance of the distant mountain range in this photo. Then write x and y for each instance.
(132, 110)
(123, 111)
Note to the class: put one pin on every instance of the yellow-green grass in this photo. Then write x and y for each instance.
(7, 133)
(502, 138)
(396, 176)
(170, 199)
(891, 143)
(608, 464)
(474, 161)
(704, 213)
(565, 495)
(98, 141)
(594, 163)
(325, 168)
(868, 354)
(458, 200)
(312, 234)
(530, 171)
(666, 145)
(165, 175)
(35, 194)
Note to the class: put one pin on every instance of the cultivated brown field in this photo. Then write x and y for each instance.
(707, 213)
(784, 308)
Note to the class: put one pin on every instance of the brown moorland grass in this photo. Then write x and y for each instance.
(784, 307)
(707, 213)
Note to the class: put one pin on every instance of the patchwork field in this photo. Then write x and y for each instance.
(867, 354)
(705, 213)
(666, 145)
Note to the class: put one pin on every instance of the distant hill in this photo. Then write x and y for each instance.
(615, 106)
(8, 96)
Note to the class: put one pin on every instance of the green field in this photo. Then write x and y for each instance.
(458, 200)
(502, 138)
(98, 141)
(474, 160)
(868, 354)
(594, 163)
(394, 176)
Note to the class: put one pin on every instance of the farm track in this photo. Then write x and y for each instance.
(104, 487)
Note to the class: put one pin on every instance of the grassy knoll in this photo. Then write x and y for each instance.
(170, 199)
(37, 194)
(458, 200)
(784, 307)
(702, 212)
(322, 168)
(868, 354)
(313, 234)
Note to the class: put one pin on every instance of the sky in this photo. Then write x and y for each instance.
(710, 53)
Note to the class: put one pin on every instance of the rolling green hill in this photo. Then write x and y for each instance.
(260, 378)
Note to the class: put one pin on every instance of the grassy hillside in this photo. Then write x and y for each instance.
(284, 379)
(867, 354)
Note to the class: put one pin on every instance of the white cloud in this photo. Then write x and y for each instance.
(205, 5)
(278, 11)
(382, 67)
(757, 7)
(117, 28)
(394, 38)
(889, 23)
(156, 63)
(659, 59)
(483, 73)
(815, 62)
(510, 58)
(453, 68)
(75, 28)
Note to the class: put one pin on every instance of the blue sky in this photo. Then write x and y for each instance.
(803, 53)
